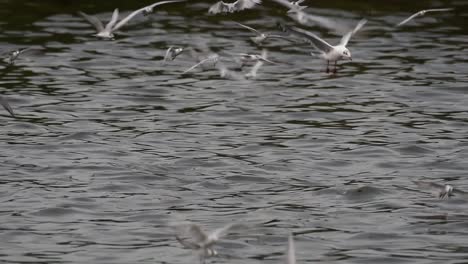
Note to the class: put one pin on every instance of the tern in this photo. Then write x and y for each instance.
(421, 13)
(261, 59)
(193, 237)
(441, 191)
(328, 52)
(261, 36)
(107, 32)
(244, 58)
(13, 55)
(239, 5)
(7, 106)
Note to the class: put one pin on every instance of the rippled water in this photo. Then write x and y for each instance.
(111, 145)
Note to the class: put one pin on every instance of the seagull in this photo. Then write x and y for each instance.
(13, 55)
(222, 7)
(212, 58)
(247, 57)
(328, 52)
(108, 31)
(261, 36)
(421, 13)
(260, 61)
(7, 106)
(193, 237)
(172, 52)
(291, 253)
(441, 191)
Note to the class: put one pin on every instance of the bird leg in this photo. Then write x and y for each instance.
(335, 68)
(328, 64)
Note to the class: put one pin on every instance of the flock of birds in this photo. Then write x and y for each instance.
(191, 236)
(330, 53)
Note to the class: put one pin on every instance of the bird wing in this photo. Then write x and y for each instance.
(431, 187)
(291, 253)
(313, 39)
(7, 106)
(345, 39)
(422, 12)
(152, 6)
(187, 244)
(245, 4)
(219, 7)
(409, 18)
(439, 9)
(93, 21)
(249, 28)
(196, 65)
(220, 232)
(255, 68)
(115, 17)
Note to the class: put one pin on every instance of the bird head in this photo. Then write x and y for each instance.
(346, 54)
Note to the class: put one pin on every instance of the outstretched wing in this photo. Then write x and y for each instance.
(7, 106)
(93, 21)
(345, 39)
(150, 8)
(249, 28)
(422, 12)
(313, 39)
(219, 7)
(245, 4)
(115, 17)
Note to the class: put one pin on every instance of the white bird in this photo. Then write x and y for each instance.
(261, 36)
(328, 52)
(239, 5)
(441, 191)
(13, 55)
(7, 106)
(421, 13)
(212, 58)
(193, 237)
(244, 58)
(261, 59)
(172, 52)
(291, 252)
(107, 32)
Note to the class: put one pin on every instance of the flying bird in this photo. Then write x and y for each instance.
(328, 52)
(13, 55)
(107, 32)
(261, 36)
(7, 106)
(421, 13)
(261, 59)
(439, 190)
(239, 5)
(193, 237)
